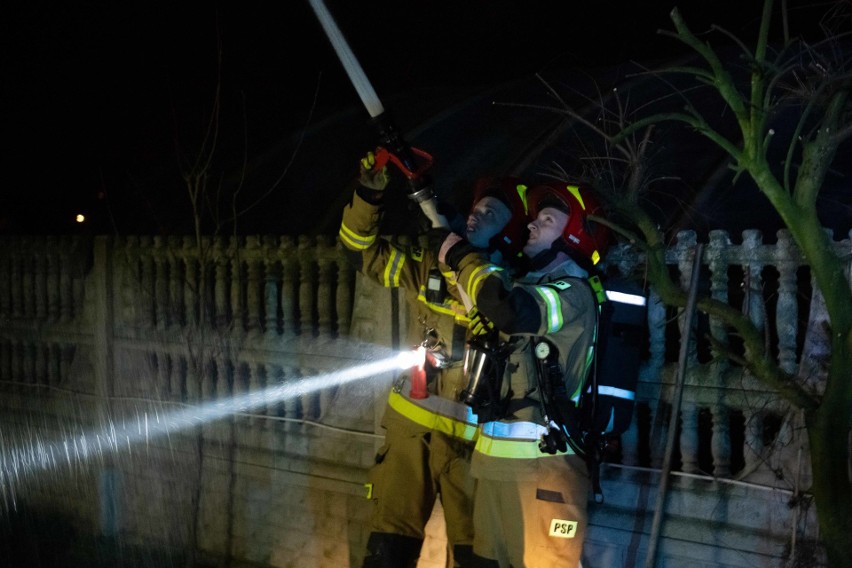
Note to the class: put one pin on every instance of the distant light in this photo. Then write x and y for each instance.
(80, 218)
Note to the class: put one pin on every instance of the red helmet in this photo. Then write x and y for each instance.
(511, 191)
(586, 237)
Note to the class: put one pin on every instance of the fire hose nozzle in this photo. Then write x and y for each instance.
(422, 195)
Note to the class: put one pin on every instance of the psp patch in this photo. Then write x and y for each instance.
(559, 285)
(561, 528)
(417, 253)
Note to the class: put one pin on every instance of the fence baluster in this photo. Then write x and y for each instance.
(787, 308)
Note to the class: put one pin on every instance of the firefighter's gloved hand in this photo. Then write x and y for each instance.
(370, 177)
(479, 324)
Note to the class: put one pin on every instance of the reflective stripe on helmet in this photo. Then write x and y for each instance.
(522, 193)
(355, 241)
(575, 191)
(553, 308)
(518, 440)
(436, 413)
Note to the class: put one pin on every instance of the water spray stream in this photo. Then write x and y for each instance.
(35, 455)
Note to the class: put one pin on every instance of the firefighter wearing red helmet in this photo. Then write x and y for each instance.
(532, 490)
(428, 440)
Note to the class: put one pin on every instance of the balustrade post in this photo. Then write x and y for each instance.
(254, 314)
(289, 258)
(192, 275)
(787, 307)
(345, 293)
(660, 418)
(54, 358)
(194, 375)
(162, 373)
(148, 281)
(66, 302)
(307, 285)
(177, 278)
(720, 444)
(17, 296)
(717, 261)
(27, 278)
(274, 377)
(39, 281)
(30, 349)
(52, 278)
(104, 320)
(325, 276)
(220, 289)
(40, 364)
(161, 284)
(753, 303)
(271, 277)
(292, 404)
(689, 438)
(223, 387)
(237, 284)
(79, 275)
(686, 243)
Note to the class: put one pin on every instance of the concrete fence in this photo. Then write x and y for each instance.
(201, 400)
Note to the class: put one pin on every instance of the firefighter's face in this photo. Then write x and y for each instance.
(487, 218)
(544, 229)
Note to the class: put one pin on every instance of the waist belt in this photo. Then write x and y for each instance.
(517, 440)
(436, 413)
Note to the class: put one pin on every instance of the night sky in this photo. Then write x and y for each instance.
(102, 99)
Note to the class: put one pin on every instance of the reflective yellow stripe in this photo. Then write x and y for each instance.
(575, 191)
(353, 240)
(434, 420)
(450, 307)
(396, 260)
(513, 449)
(522, 193)
(480, 274)
(553, 308)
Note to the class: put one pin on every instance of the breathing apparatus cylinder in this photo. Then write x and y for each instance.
(484, 365)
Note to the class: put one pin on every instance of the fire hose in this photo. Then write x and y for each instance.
(412, 162)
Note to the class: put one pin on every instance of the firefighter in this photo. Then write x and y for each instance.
(531, 488)
(428, 441)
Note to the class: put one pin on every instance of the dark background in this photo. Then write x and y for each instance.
(104, 103)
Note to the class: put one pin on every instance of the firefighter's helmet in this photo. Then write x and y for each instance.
(510, 191)
(581, 235)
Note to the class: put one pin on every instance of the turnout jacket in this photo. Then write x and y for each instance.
(558, 305)
(395, 263)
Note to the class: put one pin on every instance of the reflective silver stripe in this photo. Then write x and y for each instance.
(513, 440)
(355, 241)
(623, 298)
(616, 392)
(552, 308)
(514, 430)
